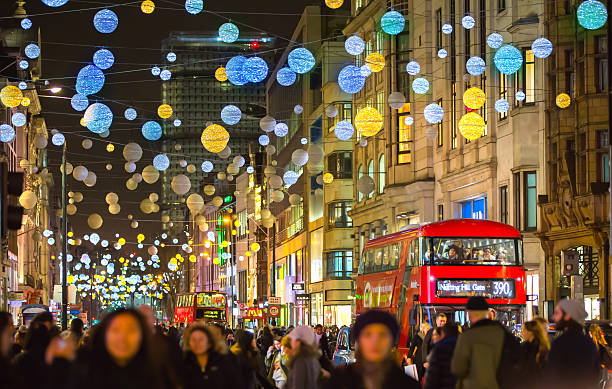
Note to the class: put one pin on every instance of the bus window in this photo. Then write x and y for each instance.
(386, 258)
(394, 255)
(379, 259)
(473, 251)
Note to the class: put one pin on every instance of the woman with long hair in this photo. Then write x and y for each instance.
(535, 350)
(304, 367)
(597, 335)
(247, 359)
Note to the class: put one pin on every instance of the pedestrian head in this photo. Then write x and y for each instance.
(6, 334)
(38, 336)
(277, 342)
(450, 330)
(286, 345)
(301, 336)
(569, 313)
(477, 309)
(76, 326)
(45, 318)
(122, 338)
(424, 327)
(375, 333)
(597, 335)
(246, 341)
(543, 323)
(533, 332)
(319, 329)
(436, 335)
(219, 345)
(440, 319)
(198, 339)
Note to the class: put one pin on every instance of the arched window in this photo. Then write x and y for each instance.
(381, 173)
(371, 174)
(359, 175)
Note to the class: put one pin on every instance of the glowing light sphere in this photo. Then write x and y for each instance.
(328, 178)
(281, 130)
(250, 169)
(228, 32)
(255, 69)
(164, 111)
(447, 29)
(7, 133)
(442, 53)
(11, 96)
(413, 68)
(32, 51)
(474, 98)
(502, 105)
(55, 3)
(264, 140)
(58, 139)
(214, 138)
(563, 100)
(151, 130)
(161, 162)
(110, 147)
(234, 69)
(24, 64)
(468, 22)
(475, 66)
(220, 74)
(103, 59)
(90, 80)
(392, 22)
(301, 60)
(22, 85)
(354, 45)
(495, 40)
(165, 75)
(508, 59)
(207, 166)
(298, 109)
(376, 62)
(344, 130)
(25, 101)
(171, 57)
(130, 114)
(290, 177)
(409, 120)
(26, 23)
(285, 76)
(194, 6)
(177, 122)
(155, 70)
(368, 121)
(420, 85)
(333, 4)
(592, 14)
(98, 118)
(366, 70)
(147, 7)
(106, 21)
(18, 119)
(79, 102)
(230, 114)
(541, 48)
(350, 79)
(471, 126)
(433, 113)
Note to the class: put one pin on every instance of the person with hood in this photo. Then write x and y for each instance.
(439, 374)
(375, 333)
(304, 367)
(247, 359)
(279, 369)
(573, 361)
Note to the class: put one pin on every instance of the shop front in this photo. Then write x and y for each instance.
(338, 315)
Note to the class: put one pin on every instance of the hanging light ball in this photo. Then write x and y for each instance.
(79, 102)
(442, 53)
(18, 119)
(129, 167)
(40, 141)
(475, 66)
(328, 178)
(267, 123)
(54, 3)
(220, 74)
(22, 85)
(502, 105)
(230, 114)
(592, 14)
(161, 162)
(368, 121)
(350, 79)
(420, 85)
(155, 70)
(130, 114)
(26, 23)
(28, 199)
(281, 130)
(207, 166)
(255, 69)
(94, 221)
(376, 62)
(298, 109)
(11, 96)
(290, 177)
(300, 60)
(495, 40)
(508, 59)
(24, 64)
(433, 113)
(164, 111)
(228, 32)
(474, 98)
(7, 133)
(90, 80)
(409, 120)
(413, 68)
(520, 96)
(354, 45)
(195, 203)
(264, 140)
(563, 100)
(299, 157)
(286, 76)
(194, 6)
(151, 130)
(392, 22)
(132, 152)
(471, 126)
(541, 48)
(86, 144)
(468, 22)
(214, 138)
(331, 111)
(106, 21)
(103, 59)
(58, 139)
(366, 70)
(165, 75)
(25, 101)
(180, 184)
(150, 174)
(447, 29)
(32, 51)
(333, 4)
(366, 185)
(171, 57)
(147, 7)
(98, 118)
(234, 70)
(396, 100)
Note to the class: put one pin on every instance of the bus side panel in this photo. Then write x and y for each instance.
(408, 329)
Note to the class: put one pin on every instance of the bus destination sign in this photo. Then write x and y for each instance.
(496, 288)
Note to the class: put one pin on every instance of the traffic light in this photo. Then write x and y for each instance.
(570, 260)
(254, 44)
(11, 184)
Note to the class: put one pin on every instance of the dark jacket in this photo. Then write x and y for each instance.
(426, 345)
(532, 367)
(416, 352)
(439, 374)
(573, 361)
(349, 377)
(304, 372)
(220, 372)
(324, 346)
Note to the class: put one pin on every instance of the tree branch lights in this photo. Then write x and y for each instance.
(214, 138)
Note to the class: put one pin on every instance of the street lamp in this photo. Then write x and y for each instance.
(55, 89)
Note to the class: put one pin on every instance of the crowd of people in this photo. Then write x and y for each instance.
(128, 350)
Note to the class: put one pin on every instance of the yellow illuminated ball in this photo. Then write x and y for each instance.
(333, 4)
(25, 101)
(563, 100)
(220, 74)
(255, 247)
(11, 96)
(474, 98)
(192, 258)
(147, 6)
(110, 147)
(214, 138)
(216, 261)
(82, 122)
(328, 178)
(376, 62)
(472, 126)
(368, 121)
(121, 241)
(164, 111)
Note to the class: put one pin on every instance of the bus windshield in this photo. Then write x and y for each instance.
(472, 251)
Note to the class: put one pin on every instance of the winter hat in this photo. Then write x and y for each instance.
(574, 308)
(375, 316)
(304, 334)
(477, 303)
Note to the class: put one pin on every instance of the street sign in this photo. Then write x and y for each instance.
(298, 286)
(274, 300)
(273, 311)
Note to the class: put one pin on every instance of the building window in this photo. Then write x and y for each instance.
(359, 175)
(503, 92)
(601, 63)
(340, 164)
(531, 199)
(404, 144)
(474, 208)
(371, 174)
(440, 212)
(337, 213)
(439, 28)
(503, 204)
(339, 264)
(604, 167)
(529, 77)
(382, 169)
(501, 5)
(440, 129)
(453, 113)
(467, 36)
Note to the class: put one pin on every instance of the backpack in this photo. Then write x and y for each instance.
(510, 369)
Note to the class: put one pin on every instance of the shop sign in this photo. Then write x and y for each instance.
(298, 286)
(274, 300)
(273, 311)
(210, 300)
(302, 299)
(255, 313)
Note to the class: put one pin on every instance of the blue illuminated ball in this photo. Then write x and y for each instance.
(447, 29)
(495, 40)
(442, 53)
(161, 162)
(350, 79)
(22, 85)
(300, 60)
(171, 57)
(79, 102)
(26, 23)
(90, 80)
(194, 6)
(541, 48)
(264, 140)
(508, 59)
(130, 114)
(234, 70)
(103, 59)
(413, 68)
(354, 45)
(520, 96)
(475, 66)
(502, 105)
(468, 22)
(7, 133)
(177, 123)
(392, 22)
(366, 70)
(592, 14)
(433, 113)
(98, 118)
(255, 69)
(420, 86)
(18, 119)
(58, 139)
(207, 166)
(281, 129)
(106, 21)
(228, 32)
(32, 51)
(344, 130)
(155, 70)
(55, 3)
(285, 76)
(165, 74)
(151, 130)
(24, 64)
(290, 177)
(230, 114)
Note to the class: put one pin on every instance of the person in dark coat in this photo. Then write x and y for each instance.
(304, 369)
(427, 341)
(535, 350)
(375, 333)
(250, 365)
(439, 374)
(322, 341)
(9, 378)
(32, 359)
(415, 354)
(573, 361)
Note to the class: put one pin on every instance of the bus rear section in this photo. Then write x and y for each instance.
(210, 307)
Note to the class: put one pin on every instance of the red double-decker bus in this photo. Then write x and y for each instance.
(419, 272)
(207, 306)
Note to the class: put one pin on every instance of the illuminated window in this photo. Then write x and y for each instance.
(439, 28)
(359, 175)
(404, 144)
(371, 174)
(440, 129)
(503, 92)
(529, 82)
(474, 209)
(337, 213)
(453, 114)
(381, 173)
(339, 264)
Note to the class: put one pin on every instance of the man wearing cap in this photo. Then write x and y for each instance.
(573, 358)
(478, 351)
